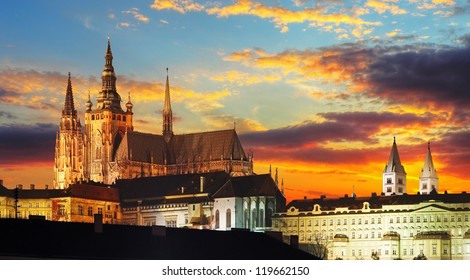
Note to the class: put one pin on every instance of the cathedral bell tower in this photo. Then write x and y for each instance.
(105, 126)
(428, 181)
(68, 160)
(394, 175)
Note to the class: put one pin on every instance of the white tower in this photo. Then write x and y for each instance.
(428, 181)
(394, 175)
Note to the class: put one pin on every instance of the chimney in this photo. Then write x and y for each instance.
(31, 186)
(19, 186)
(47, 187)
(98, 223)
(203, 180)
(1, 182)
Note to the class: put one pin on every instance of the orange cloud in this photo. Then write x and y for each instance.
(382, 6)
(181, 6)
(243, 79)
(283, 16)
(137, 15)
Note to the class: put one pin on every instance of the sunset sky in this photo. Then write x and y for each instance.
(317, 88)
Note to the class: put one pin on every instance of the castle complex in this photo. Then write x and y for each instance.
(392, 225)
(110, 149)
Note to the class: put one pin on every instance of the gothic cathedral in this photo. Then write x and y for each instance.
(110, 149)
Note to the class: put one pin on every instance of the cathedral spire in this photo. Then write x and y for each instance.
(428, 181)
(69, 108)
(167, 113)
(108, 76)
(394, 175)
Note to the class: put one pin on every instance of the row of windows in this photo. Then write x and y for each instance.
(228, 219)
(37, 204)
(361, 221)
(90, 210)
(102, 116)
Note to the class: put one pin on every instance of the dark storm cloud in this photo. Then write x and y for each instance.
(349, 126)
(426, 75)
(454, 151)
(27, 143)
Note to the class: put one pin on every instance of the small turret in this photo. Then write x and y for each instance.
(88, 103)
(129, 104)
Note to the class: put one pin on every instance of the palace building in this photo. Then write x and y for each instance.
(393, 225)
(110, 149)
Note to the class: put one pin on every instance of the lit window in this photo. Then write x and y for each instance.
(80, 210)
(90, 211)
(100, 210)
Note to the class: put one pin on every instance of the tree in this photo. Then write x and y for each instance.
(319, 246)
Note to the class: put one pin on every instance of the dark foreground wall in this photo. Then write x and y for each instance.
(32, 239)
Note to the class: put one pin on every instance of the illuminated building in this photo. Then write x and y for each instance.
(113, 150)
(77, 203)
(388, 226)
(68, 163)
(213, 200)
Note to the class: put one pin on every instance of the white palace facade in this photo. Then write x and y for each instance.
(393, 225)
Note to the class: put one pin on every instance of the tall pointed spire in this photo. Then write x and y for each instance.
(69, 108)
(394, 175)
(108, 85)
(167, 113)
(108, 76)
(394, 163)
(428, 181)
